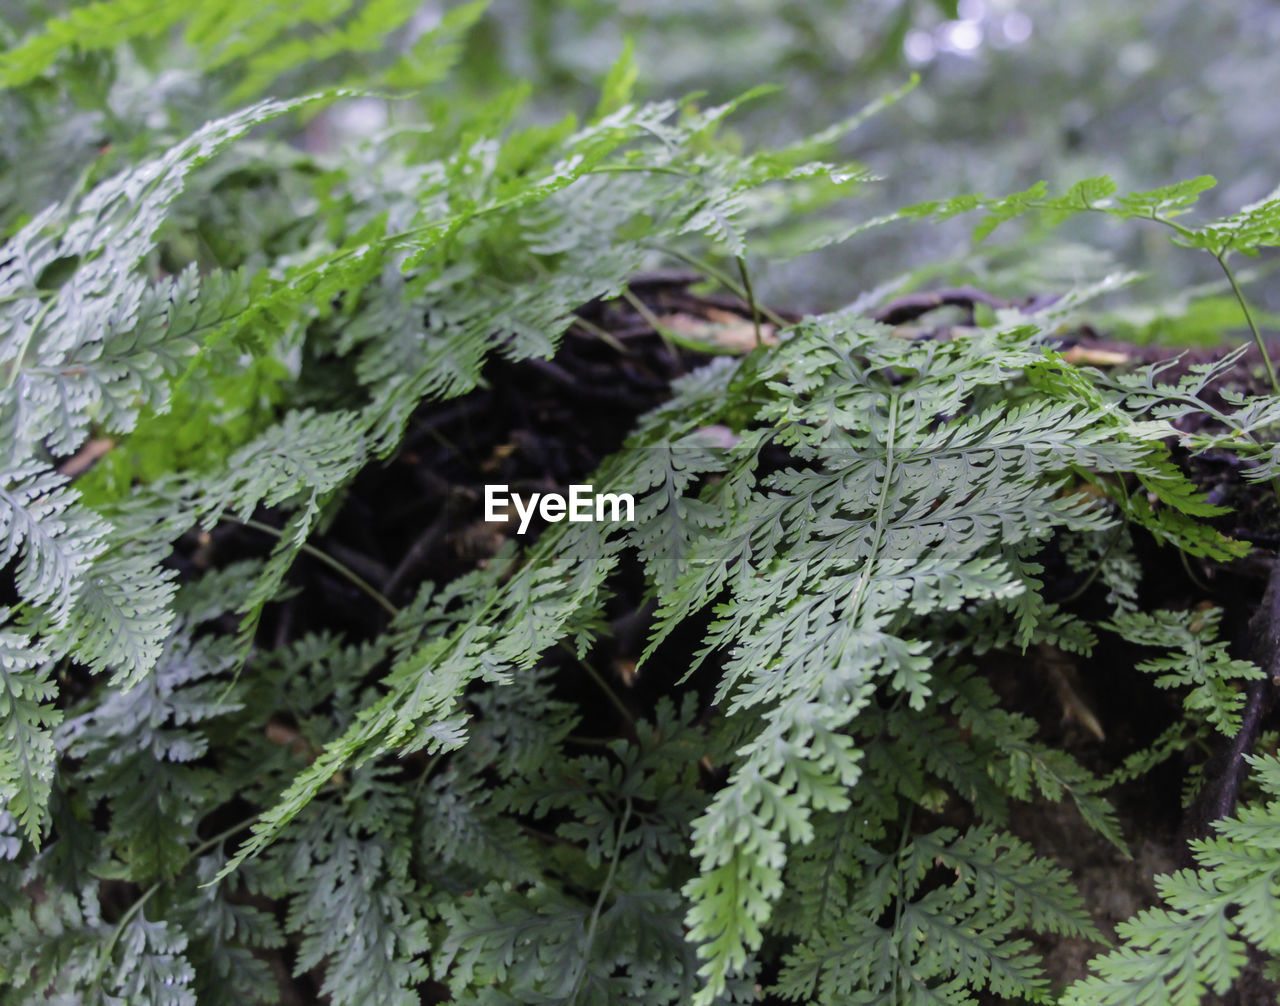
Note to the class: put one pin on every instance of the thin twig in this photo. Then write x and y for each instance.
(598, 678)
(602, 334)
(751, 299)
(1248, 316)
(900, 985)
(1191, 574)
(347, 573)
(669, 338)
(419, 550)
(721, 277)
(599, 905)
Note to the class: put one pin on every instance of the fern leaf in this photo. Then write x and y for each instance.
(57, 541)
(1197, 944)
(1199, 663)
(26, 718)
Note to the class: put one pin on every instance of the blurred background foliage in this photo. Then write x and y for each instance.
(1010, 92)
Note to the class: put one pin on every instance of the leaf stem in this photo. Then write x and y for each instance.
(644, 169)
(599, 905)
(721, 277)
(1248, 316)
(751, 298)
(904, 976)
(344, 571)
(603, 335)
(598, 678)
(1221, 255)
(138, 905)
(26, 344)
(864, 575)
(669, 338)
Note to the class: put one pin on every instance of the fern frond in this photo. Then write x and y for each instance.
(1198, 663)
(949, 932)
(1197, 942)
(56, 541)
(28, 714)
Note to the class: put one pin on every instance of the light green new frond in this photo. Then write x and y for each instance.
(1163, 201)
(784, 775)
(1087, 195)
(363, 32)
(1246, 231)
(434, 54)
(260, 40)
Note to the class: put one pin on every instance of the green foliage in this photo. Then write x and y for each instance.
(958, 932)
(1198, 943)
(858, 518)
(1203, 665)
